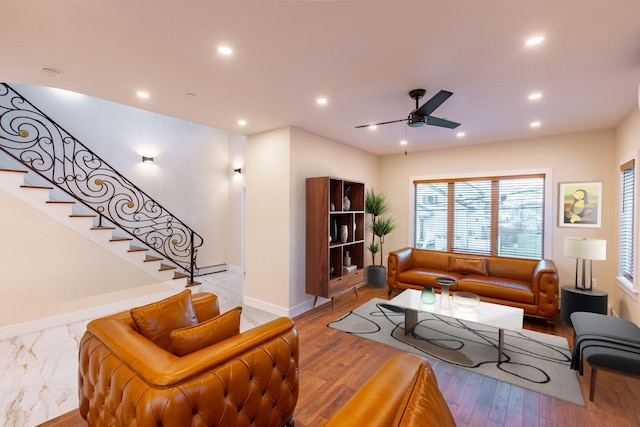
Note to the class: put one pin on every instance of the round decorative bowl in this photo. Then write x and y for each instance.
(445, 281)
(465, 299)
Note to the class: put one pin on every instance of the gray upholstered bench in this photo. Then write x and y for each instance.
(607, 343)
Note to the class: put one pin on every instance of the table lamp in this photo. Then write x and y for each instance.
(585, 249)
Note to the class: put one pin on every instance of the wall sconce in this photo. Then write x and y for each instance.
(237, 171)
(146, 159)
(585, 249)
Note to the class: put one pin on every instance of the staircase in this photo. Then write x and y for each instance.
(75, 182)
(71, 213)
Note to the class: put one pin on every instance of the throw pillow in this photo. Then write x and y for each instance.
(194, 338)
(155, 321)
(468, 265)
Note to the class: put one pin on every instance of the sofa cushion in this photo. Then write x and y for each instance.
(468, 265)
(194, 338)
(427, 277)
(155, 321)
(498, 288)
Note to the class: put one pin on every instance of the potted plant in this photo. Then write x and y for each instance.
(376, 204)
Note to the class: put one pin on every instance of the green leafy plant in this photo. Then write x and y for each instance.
(376, 204)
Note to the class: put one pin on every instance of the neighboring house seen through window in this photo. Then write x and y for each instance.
(502, 216)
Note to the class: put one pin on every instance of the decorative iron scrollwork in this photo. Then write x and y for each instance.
(34, 139)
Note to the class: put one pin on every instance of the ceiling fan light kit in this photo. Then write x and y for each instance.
(421, 116)
(416, 121)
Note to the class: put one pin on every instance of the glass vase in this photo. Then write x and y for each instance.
(428, 296)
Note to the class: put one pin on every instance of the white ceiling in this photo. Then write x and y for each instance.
(363, 55)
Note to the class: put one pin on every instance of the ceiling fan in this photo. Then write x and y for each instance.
(421, 116)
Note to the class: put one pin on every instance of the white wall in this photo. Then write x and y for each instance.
(627, 148)
(278, 162)
(190, 175)
(577, 157)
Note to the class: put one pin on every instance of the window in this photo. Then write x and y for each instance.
(501, 216)
(627, 196)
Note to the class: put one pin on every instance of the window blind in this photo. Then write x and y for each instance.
(521, 217)
(627, 196)
(501, 216)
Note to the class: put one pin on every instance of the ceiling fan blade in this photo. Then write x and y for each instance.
(436, 121)
(435, 101)
(381, 123)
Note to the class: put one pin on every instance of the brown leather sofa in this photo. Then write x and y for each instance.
(403, 392)
(250, 378)
(529, 284)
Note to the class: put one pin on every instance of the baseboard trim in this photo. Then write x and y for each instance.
(265, 306)
(212, 269)
(90, 312)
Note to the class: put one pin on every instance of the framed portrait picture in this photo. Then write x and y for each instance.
(580, 204)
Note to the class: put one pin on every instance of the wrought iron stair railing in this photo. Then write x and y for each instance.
(35, 140)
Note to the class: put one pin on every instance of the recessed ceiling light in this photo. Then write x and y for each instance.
(460, 134)
(225, 50)
(373, 127)
(535, 124)
(534, 40)
(142, 94)
(322, 101)
(535, 95)
(403, 142)
(242, 122)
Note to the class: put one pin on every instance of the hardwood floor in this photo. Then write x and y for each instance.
(333, 365)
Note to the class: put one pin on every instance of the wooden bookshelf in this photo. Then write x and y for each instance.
(327, 215)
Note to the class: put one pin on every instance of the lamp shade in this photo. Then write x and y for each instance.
(581, 248)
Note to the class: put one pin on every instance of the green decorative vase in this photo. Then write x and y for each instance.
(428, 296)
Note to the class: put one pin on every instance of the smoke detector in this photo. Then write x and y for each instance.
(51, 72)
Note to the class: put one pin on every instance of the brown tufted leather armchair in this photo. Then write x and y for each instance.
(248, 379)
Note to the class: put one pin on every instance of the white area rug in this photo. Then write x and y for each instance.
(531, 360)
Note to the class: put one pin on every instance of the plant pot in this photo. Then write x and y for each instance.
(377, 276)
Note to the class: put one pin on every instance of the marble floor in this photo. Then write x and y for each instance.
(38, 371)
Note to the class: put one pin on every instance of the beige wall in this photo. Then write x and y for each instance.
(312, 156)
(267, 221)
(628, 146)
(278, 162)
(234, 237)
(48, 269)
(578, 157)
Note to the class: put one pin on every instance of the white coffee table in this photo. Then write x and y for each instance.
(494, 315)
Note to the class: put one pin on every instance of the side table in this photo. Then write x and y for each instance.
(572, 299)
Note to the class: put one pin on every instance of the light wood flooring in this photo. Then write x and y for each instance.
(333, 365)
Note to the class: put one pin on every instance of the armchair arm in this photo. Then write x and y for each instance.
(545, 286)
(397, 262)
(404, 391)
